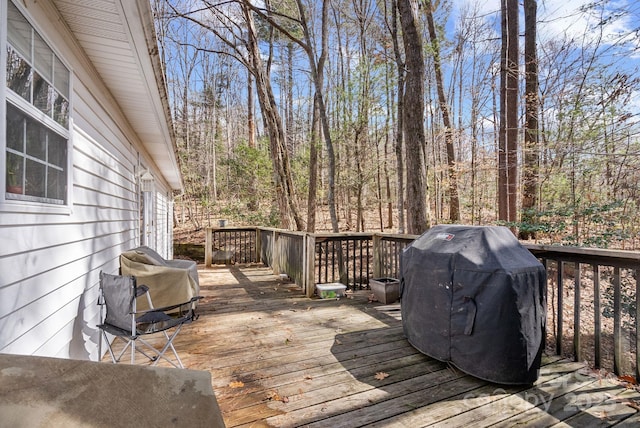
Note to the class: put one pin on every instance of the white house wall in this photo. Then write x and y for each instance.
(50, 260)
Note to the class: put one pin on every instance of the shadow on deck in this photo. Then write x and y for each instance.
(278, 358)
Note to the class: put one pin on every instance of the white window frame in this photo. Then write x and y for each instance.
(31, 204)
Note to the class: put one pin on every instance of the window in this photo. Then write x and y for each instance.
(37, 116)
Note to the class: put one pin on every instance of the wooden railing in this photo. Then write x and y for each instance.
(231, 245)
(285, 252)
(603, 322)
(310, 258)
(613, 279)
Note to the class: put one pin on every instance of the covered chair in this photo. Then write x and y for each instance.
(169, 281)
(120, 294)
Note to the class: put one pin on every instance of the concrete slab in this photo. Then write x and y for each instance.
(53, 392)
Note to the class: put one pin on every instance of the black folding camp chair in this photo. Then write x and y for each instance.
(118, 294)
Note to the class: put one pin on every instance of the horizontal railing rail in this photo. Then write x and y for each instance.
(593, 295)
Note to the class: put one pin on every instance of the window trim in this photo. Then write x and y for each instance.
(27, 203)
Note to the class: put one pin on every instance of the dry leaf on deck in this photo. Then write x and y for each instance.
(381, 375)
(236, 384)
(276, 397)
(628, 379)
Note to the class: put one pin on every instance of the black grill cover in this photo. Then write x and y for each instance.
(475, 297)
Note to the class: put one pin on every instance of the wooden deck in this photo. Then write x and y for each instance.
(278, 358)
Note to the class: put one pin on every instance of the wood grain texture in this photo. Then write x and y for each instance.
(278, 358)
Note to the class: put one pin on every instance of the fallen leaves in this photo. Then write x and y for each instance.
(381, 375)
(274, 396)
(236, 384)
(628, 379)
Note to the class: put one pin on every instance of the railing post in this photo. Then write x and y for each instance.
(637, 325)
(208, 247)
(377, 255)
(597, 335)
(258, 254)
(617, 324)
(311, 265)
(560, 298)
(576, 314)
(276, 253)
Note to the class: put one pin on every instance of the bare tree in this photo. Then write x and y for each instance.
(508, 138)
(530, 168)
(391, 20)
(454, 201)
(413, 118)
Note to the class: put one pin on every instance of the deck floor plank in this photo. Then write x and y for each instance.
(280, 359)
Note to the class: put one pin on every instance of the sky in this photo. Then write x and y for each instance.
(565, 19)
(563, 16)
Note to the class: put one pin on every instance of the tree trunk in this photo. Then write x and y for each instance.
(413, 118)
(251, 121)
(508, 144)
(285, 195)
(399, 146)
(531, 150)
(317, 77)
(251, 130)
(454, 200)
(512, 109)
(313, 168)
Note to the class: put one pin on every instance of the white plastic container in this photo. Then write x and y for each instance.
(332, 290)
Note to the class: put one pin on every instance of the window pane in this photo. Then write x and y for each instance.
(35, 175)
(61, 78)
(60, 109)
(36, 140)
(18, 31)
(15, 129)
(57, 150)
(36, 155)
(19, 75)
(41, 94)
(15, 173)
(43, 57)
(57, 184)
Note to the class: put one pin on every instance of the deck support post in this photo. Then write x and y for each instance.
(208, 247)
(311, 264)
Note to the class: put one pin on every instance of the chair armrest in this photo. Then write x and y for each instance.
(169, 308)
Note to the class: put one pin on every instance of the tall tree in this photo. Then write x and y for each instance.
(316, 63)
(285, 192)
(530, 170)
(454, 200)
(392, 26)
(413, 112)
(508, 138)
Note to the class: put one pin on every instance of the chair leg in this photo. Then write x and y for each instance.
(106, 341)
(124, 349)
(168, 345)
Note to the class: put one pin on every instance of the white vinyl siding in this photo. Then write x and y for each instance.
(50, 260)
